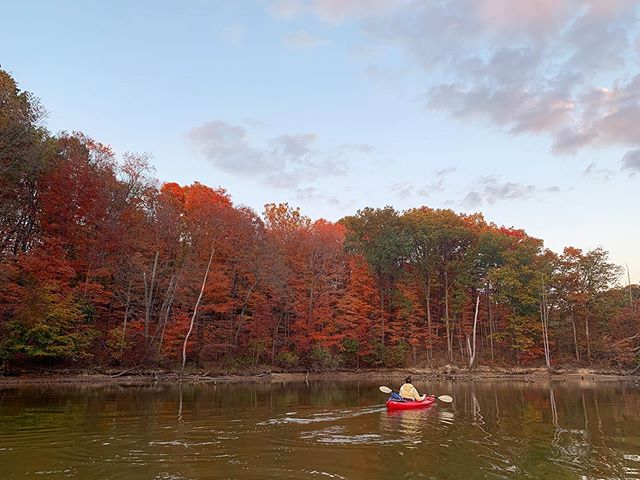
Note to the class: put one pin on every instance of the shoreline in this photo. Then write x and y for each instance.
(150, 377)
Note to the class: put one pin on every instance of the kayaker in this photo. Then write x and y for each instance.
(409, 392)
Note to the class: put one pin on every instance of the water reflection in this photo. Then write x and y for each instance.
(409, 424)
(318, 430)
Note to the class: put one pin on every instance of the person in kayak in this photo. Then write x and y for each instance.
(409, 392)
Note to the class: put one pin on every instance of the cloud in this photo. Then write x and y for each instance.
(406, 190)
(491, 190)
(234, 33)
(285, 9)
(287, 160)
(303, 40)
(310, 195)
(631, 161)
(294, 146)
(411, 190)
(538, 16)
(227, 147)
(608, 116)
(560, 68)
(307, 194)
(334, 11)
(357, 148)
(443, 172)
(600, 174)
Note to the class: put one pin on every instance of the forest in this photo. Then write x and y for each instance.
(103, 265)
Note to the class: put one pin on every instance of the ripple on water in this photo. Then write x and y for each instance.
(169, 476)
(328, 416)
(181, 443)
(337, 435)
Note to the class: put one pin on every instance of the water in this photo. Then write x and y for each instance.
(320, 430)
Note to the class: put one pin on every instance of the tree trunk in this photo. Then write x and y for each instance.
(126, 317)
(586, 329)
(575, 338)
(472, 348)
(458, 325)
(242, 312)
(491, 329)
(195, 311)
(164, 313)
(148, 294)
(544, 318)
(429, 330)
(382, 310)
(275, 336)
(446, 318)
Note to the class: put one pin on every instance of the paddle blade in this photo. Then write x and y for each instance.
(445, 398)
(384, 389)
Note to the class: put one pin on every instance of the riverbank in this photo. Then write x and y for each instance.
(392, 376)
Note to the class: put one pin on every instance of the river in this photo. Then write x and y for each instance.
(320, 430)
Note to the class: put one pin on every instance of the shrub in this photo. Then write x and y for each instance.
(351, 351)
(386, 356)
(321, 359)
(287, 360)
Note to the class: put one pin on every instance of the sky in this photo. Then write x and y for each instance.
(526, 111)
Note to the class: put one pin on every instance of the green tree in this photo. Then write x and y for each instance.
(379, 236)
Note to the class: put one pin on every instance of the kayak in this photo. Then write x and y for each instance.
(410, 404)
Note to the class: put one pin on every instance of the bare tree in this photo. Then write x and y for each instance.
(471, 345)
(195, 311)
(544, 318)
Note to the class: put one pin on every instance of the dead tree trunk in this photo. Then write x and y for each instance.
(195, 311)
(471, 346)
(544, 318)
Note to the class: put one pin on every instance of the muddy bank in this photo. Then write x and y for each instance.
(137, 376)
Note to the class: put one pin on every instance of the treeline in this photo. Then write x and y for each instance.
(101, 265)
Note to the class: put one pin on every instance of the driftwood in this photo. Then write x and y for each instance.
(125, 371)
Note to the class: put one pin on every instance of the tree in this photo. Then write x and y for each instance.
(581, 281)
(378, 235)
(46, 322)
(25, 153)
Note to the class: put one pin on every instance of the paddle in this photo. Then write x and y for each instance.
(442, 398)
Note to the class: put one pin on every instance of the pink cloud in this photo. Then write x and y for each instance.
(335, 11)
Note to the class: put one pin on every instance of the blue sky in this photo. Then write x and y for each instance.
(525, 111)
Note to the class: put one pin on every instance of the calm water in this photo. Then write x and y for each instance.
(321, 430)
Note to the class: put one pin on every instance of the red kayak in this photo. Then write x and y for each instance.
(410, 404)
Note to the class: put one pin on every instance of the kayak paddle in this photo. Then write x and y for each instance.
(442, 398)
